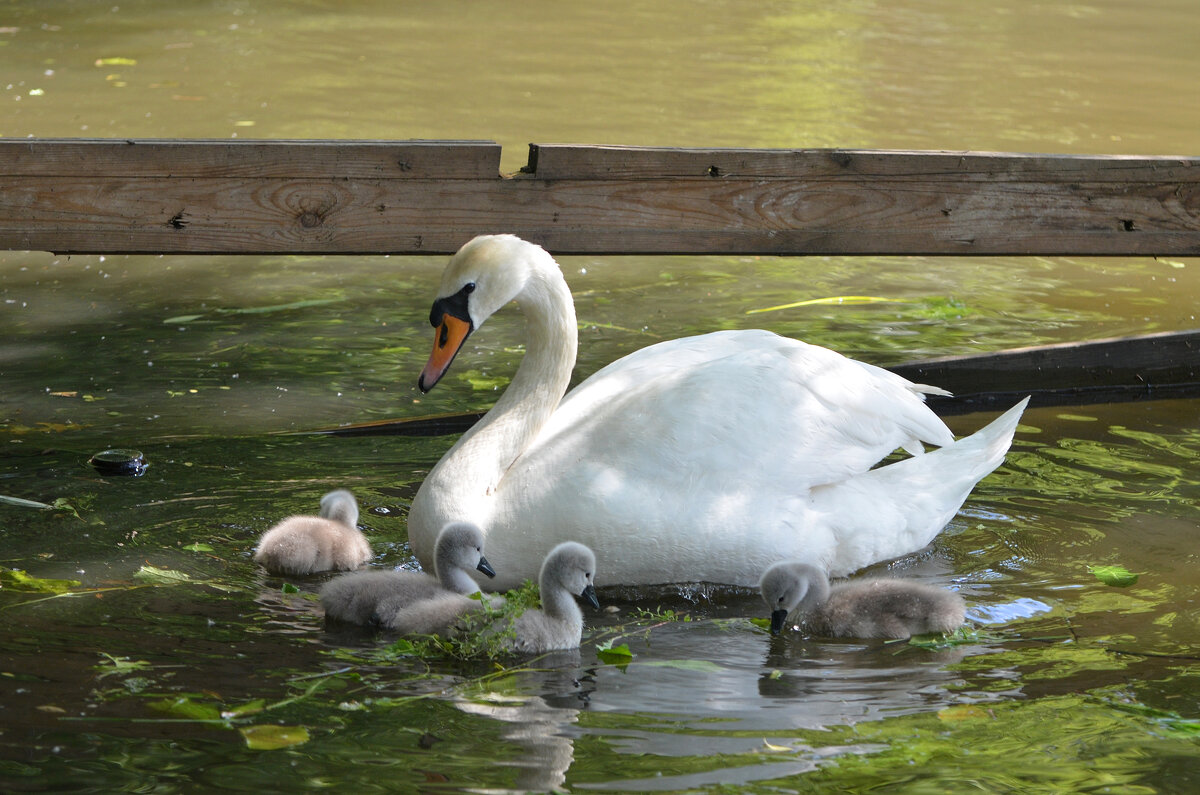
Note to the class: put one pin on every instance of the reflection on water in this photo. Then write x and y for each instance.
(209, 365)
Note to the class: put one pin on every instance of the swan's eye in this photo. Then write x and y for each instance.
(468, 288)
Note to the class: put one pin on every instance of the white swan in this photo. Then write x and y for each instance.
(705, 458)
(308, 544)
(568, 571)
(355, 597)
(866, 608)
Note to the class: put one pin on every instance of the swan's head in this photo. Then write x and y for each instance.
(482, 276)
(572, 566)
(340, 506)
(789, 586)
(460, 545)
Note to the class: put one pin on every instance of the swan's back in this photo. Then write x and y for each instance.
(743, 392)
(721, 433)
(436, 615)
(374, 596)
(309, 544)
(887, 608)
(355, 597)
(867, 608)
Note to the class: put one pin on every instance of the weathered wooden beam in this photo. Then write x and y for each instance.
(370, 197)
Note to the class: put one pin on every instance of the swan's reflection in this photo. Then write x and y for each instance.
(539, 724)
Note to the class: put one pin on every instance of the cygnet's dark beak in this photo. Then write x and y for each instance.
(589, 593)
(485, 567)
(778, 617)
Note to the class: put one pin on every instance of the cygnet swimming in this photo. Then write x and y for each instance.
(356, 597)
(867, 608)
(308, 544)
(568, 571)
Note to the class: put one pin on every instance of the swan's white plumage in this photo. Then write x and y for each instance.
(704, 458)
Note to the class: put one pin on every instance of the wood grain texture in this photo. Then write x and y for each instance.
(371, 197)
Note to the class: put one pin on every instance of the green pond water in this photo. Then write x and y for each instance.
(175, 664)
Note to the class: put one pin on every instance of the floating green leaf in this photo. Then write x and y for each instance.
(187, 707)
(61, 504)
(154, 574)
(198, 547)
(119, 666)
(242, 710)
(481, 382)
(614, 655)
(1116, 576)
(287, 587)
(962, 636)
(116, 62)
(18, 580)
(701, 666)
(270, 738)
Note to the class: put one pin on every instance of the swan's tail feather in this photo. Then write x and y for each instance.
(987, 446)
(909, 502)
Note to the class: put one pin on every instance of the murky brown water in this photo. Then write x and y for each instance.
(1073, 686)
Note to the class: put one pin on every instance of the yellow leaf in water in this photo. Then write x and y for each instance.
(834, 299)
(962, 712)
(269, 738)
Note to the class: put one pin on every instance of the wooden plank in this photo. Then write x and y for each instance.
(82, 214)
(573, 161)
(99, 158)
(1121, 369)
(246, 197)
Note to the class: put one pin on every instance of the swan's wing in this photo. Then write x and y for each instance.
(664, 461)
(739, 402)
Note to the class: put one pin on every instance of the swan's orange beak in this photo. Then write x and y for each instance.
(451, 334)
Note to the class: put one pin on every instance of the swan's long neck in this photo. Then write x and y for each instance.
(551, 342)
(474, 466)
(560, 605)
(449, 573)
(816, 591)
(455, 579)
